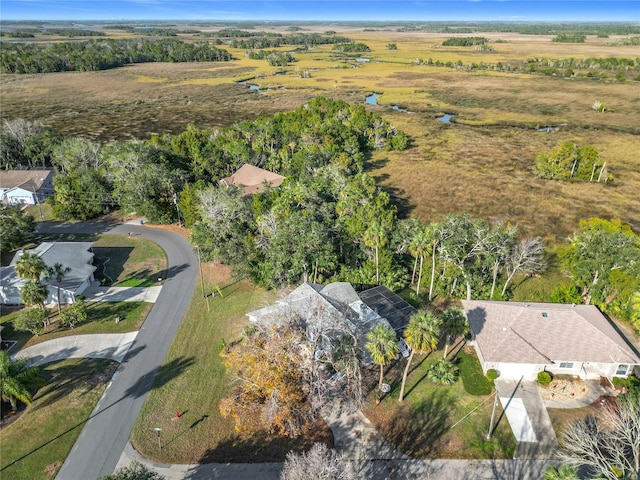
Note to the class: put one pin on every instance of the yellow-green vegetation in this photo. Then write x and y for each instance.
(35, 445)
(483, 166)
(41, 213)
(424, 424)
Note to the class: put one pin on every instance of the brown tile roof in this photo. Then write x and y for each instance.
(253, 179)
(518, 332)
(29, 179)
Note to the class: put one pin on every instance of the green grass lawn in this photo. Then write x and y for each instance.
(41, 213)
(129, 261)
(36, 444)
(423, 426)
(101, 319)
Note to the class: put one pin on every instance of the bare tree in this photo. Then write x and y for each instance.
(526, 258)
(320, 462)
(608, 444)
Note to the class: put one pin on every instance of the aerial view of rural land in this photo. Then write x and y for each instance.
(320, 240)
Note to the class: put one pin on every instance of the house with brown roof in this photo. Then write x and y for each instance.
(252, 179)
(25, 187)
(520, 339)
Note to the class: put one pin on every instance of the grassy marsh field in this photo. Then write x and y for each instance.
(482, 165)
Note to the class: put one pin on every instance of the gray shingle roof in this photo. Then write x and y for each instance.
(541, 333)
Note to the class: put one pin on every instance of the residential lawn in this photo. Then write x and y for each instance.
(201, 434)
(41, 213)
(423, 426)
(475, 383)
(132, 261)
(101, 319)
(124, 261)
(35, 445)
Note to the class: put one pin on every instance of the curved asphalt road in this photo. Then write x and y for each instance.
(105, 435)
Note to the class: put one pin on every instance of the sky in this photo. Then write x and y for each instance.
(330, 10)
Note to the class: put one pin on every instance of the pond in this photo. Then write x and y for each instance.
(363, 59)
(548, 128)
(398, 108)
(446, 118)
(372, 99)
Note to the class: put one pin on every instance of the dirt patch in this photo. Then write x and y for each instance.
(564, 389)
(51, 469)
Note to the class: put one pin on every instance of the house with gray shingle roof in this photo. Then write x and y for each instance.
(520, 339)
(77, 256)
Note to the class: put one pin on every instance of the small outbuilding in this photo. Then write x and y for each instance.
(520, 339)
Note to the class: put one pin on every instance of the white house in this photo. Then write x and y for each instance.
(77, 256)
(25, 187)
(521, 339)
(338, 307)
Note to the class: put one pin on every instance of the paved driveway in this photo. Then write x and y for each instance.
(122, 294)
(112, 346)
(528, 418)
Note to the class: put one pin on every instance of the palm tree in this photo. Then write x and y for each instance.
(15, 380)
(418, 247)
(382, 346)
(563, 472)
(455, 323)
(375, 237)
(443, 372)
(58, 271)
(30, 266)
(422, 336)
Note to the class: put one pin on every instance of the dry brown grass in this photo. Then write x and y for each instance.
(483, 166)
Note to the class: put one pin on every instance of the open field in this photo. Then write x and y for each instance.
(483, 165)
(36, 444)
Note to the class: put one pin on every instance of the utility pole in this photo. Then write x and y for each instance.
(202, 278)
(37, 202)
(493, 416)
(175, 202)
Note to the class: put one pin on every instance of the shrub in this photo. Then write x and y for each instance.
(31, 320)
(443, 372)
(492, 374)
(544, 378)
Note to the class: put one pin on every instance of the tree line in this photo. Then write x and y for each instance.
(102, 54)
(272, 41)
(328, 221)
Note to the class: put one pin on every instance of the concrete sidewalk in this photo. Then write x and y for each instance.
(111, 346)
(122, 294)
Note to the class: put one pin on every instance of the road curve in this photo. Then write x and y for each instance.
(105, 435)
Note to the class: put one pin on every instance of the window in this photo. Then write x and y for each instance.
(622, 370)
(566, 364)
